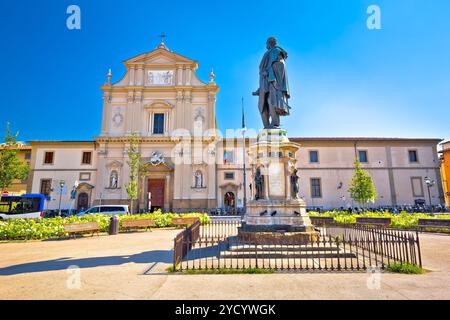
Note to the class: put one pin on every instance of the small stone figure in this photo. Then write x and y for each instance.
(295, 188)
(198, 180)
(113, 181)
(259, 184)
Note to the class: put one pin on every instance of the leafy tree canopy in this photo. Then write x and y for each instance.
(11, 167)
(362, 188)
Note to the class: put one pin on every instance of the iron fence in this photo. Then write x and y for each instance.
(337, 248)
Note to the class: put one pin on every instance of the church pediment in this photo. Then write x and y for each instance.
(162, 57)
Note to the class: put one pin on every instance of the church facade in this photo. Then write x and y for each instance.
(161, 101)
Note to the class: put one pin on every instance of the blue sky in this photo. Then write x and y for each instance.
(345, 79)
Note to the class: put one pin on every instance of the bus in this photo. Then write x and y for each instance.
(27, 206)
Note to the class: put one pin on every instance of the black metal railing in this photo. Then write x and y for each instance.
(184, 240)
(338, 248)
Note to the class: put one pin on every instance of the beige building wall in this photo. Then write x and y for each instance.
(67, 166)
(398, 181)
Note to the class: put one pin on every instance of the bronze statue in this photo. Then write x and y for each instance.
(259, 184)
(273, 89)
(295, 188)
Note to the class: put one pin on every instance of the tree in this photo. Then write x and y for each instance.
(11, 167)
(134, 161)
(362, 189)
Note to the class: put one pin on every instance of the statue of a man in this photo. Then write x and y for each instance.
(295, 187)
(273, 89)
(259, 184)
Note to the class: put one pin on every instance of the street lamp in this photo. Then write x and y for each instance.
(430, 183)
(244, 152)
(62, 183)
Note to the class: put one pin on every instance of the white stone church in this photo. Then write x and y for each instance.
(161, 99)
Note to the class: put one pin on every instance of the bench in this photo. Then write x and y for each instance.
(80, 228)
(185, 222)
(433, 223)
(138, 224)
(379, 222)
(322, 221)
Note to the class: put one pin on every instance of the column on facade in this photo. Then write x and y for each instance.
(137, 111)
(188, 76)
(132, 76)
(129, 113)
(106, 121)
(140, 75)
(179, 75)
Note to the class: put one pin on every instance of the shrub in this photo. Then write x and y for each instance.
(405, 268)
(403, 220)
(41, 229)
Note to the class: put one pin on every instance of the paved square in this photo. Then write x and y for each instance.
(131, 266)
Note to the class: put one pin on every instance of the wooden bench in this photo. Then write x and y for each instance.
(80, 228)
(185, 222)
(433, 223)
(138, 224)
(322, 221)
(379, 222)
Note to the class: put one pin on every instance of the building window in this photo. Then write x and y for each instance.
(46, 187)
(49, 157)
(413, 158)
(87, 158)
(229, 175)
(313, 156)
(158, 123)
(316, 188)
(85, 176)
(27, 156)
(362, 156)
(228, 157)
(417, 187)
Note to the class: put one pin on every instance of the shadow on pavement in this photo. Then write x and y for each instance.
(163, 256)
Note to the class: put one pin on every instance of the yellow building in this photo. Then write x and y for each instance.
(445, 170)
(20, 187)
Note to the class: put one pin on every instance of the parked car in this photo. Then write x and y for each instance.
(108, 210)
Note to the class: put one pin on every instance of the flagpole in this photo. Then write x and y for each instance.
(244, 152)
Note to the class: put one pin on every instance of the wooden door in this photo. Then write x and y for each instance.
(156, 189)
(83, 201)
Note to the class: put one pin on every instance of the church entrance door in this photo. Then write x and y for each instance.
(83, 201)
(230, 200)
(156, 190)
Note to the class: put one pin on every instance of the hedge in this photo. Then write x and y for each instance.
(41, 229)
(403, 220)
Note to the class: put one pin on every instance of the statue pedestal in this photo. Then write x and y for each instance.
(276, 213)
